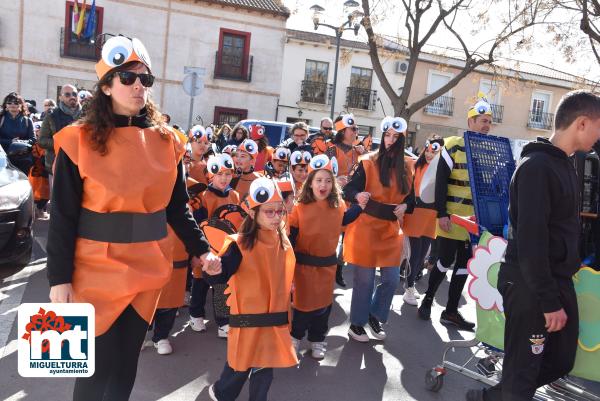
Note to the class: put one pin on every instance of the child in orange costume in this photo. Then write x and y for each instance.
(258, 265)
(218, 194)
(245, 158)
(199, 139)
(315, 226)
(299, 167)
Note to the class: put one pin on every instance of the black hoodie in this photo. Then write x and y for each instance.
(544, 225)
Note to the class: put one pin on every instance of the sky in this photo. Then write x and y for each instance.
(541, 49)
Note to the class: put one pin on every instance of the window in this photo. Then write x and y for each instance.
(233, 59)
(314, 86)
(492, 93)
(538, 115)
(361, 78)
(226, 115)
(316, 71)
(443, 105)
(364, 130)
(82, 46)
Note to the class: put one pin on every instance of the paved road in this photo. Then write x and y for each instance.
(392, 370)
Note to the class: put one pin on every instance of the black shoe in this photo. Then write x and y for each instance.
(457, 320)
(358, 333)
(376, 329)
(339, 277)
(474, 395)
(424, 310)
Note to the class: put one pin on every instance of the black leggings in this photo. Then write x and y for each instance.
(117, 353)
(418, 249)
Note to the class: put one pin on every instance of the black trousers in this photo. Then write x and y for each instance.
(200, 290)
(316, 322)
(532, 356)
(164, 320)
(117, 353)
(455, 253)
(418, 249)
(230, 384)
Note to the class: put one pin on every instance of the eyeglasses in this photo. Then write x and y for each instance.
(70, 94)
(271, 213)
(128, 78)
(13, 102)
(327, 128)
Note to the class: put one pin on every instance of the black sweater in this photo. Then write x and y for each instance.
(67, 192)
(544, 223)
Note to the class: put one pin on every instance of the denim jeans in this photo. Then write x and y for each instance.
(364, 301)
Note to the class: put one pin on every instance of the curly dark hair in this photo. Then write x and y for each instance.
(23, 109)
(99, 121)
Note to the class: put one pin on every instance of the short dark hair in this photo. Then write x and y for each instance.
(576, 104)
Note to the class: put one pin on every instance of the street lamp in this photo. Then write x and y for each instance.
(352, 23)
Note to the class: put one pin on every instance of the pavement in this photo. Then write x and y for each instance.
(393, 370)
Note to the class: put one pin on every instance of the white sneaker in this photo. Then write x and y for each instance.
(296, 344)
(211, 393)
(197, 324)
(409, 296)
(41, 214)
(318, 349)
(222, 331)
(163, 347)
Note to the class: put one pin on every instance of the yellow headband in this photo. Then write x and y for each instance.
(481, 107)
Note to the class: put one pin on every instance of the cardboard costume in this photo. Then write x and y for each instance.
(38, 176)
(172, 294)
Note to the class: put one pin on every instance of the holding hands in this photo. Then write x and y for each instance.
(362, 198)
(210, 263)
(399, 212)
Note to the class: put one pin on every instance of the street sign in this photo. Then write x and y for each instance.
(193, 84)
(198, 70)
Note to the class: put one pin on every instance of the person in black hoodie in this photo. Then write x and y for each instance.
(535, 277)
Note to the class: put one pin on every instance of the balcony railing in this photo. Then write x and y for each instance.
(540, 120)
(316, 92)
(80, 49)
(442, 106)
(224, 71)
(497, 113)
(359, 98)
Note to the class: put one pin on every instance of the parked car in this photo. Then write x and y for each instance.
(276, 131)
(16, 214)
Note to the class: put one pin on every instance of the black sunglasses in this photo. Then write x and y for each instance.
(327, 128)
(129, 77)
(70, 94)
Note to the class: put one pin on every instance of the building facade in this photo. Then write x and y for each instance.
(523, 99)
(237, 43)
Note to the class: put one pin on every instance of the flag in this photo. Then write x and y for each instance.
(81, 20)
(75, 17)
(90, 23)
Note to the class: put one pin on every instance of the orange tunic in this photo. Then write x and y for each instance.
(372, 242)
(111, 276)
(262, 284)
(423, 220)
(243, 184)
(38, 178)
(198, 172)
(320, 145)
(173, 293)
(346, 160)
(319, 228)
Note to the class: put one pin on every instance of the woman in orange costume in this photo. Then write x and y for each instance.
(315, 226)
(381, 182)
(199, 140)
(420, 222)
(107, 240)
(259, 266)
(244, 158)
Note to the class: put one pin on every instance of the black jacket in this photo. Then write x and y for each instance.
(544, 226)
(53, 122)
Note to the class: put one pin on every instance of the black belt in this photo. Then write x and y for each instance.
(462, 201)
(122, 227)
(380, 210)
(458, 183)
(180, 264)
(259, 319)
(317, 261)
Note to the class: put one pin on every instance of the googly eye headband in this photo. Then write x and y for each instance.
(323, 162)
(263, 190)
(398, 124)
(248, 146)
(83, 94)
(257, 131)
(219, 163)
(199, 134)
(434, 145)
(230, 149)
(282, 154)
(120, 50)
(482, 107)
(300, 157)
(345, 122)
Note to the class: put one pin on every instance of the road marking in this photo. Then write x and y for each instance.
(8, 349)
(17, 396)
(189, 391)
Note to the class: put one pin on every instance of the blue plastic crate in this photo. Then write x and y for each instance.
(491, 166)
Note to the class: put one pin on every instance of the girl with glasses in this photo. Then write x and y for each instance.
(258, 266)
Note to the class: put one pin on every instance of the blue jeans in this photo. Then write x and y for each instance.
(364, 301)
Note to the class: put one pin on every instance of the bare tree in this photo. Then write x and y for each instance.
(423, 18)
(589, 12)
